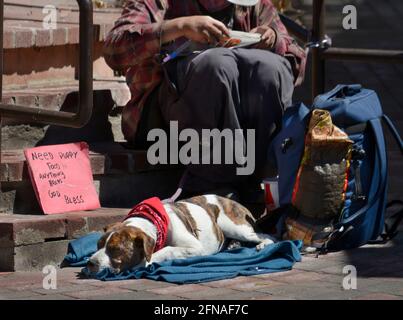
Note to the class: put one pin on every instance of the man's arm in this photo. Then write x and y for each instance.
(135, 35)
(282, 43)
(139, 33)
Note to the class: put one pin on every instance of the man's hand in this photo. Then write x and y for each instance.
(269, 37)
(203, 29)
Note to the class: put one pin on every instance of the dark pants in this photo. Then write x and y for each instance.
(222, 88)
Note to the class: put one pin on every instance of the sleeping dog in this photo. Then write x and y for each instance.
(156, 232)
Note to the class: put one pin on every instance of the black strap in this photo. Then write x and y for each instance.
(268, 223)
(397, 218)
(391, 224)
(328, 241)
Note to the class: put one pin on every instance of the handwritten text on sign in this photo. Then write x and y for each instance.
(62, 177)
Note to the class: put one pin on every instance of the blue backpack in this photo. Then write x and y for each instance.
(358, 112)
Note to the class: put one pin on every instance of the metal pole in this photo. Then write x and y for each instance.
(1, 79)
(318, 63)
(86, 44)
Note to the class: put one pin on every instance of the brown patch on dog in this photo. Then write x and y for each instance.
(187, 219)
(102, 240)
(142, 240)
(213, 211)
(128, 246)
(236, 212)
(200, 201)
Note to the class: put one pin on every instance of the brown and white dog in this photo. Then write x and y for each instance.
(197, 226)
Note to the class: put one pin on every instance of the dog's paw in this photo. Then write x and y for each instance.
(264, 244)
(234, 244)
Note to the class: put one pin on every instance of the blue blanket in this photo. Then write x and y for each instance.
(80, 250)
(228, 264)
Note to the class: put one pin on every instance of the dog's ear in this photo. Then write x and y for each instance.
(147, 243)
(112, 227)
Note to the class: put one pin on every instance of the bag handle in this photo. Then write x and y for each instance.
(393, 131)
(345, 89)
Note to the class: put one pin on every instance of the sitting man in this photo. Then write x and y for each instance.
(238, 88)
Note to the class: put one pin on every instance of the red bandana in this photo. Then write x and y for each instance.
(153, 210)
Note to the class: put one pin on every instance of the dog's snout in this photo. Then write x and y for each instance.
(92, 266)
(91, 263)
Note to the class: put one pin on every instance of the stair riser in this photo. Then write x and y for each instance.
(48, 66)
(67, 15)
(32, 242)
(117, 191)
(32, 257)
(17, 134)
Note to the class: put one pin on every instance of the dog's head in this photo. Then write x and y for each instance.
(121, 248)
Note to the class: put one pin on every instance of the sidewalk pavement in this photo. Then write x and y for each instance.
(379, 276)
(379, 268)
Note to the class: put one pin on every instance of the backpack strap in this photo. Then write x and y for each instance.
(393, 131)
(397, 217)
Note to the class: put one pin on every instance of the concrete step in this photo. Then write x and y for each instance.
(105, 124)
(30, 242)
(122, 177)
(55, 65)
(112, 93)
(24, 23)
(40, 70)
(35, 56)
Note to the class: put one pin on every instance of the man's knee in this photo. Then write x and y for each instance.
(269, 68)
(278, 69)
(216, 64)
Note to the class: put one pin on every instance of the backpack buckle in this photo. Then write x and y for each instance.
(287, 143)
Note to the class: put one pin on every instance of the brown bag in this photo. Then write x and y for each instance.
(321, 183)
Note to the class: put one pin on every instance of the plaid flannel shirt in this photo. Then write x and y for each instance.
(134, 43)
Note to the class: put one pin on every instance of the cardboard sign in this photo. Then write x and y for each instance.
(62, 177)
